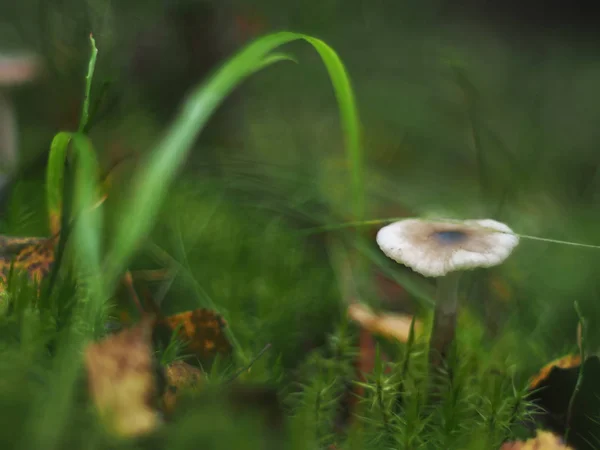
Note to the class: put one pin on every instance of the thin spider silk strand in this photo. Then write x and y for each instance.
(382, 221)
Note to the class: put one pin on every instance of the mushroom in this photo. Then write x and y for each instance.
(442, 249)
(14, 71)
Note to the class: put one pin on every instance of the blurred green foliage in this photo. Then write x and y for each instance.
(457, 120)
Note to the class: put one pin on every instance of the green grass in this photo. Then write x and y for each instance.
(238, 244)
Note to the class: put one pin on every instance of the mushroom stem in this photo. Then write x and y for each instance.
(444, 319)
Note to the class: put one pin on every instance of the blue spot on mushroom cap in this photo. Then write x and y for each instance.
(450, 236)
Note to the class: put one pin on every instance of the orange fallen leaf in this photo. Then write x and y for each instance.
(31, 254)
(180, 375)
(544, 440)
(566, 362)
(390, 325)
(122, 381)
(201, 330)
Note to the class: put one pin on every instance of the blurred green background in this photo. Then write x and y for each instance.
(463, 116)
(466, 113)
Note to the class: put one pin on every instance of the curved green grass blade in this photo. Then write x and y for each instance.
(54, 410)
(58, 150)
(272, 59)
(349, 119)
(55, 178)
(88, 224)
(85, 112)
(152, 181)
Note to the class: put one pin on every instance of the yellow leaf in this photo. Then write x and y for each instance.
(393, 326)
(544, 440)
(122, 382)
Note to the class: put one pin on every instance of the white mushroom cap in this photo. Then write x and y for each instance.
(435, 248)
(18, 69)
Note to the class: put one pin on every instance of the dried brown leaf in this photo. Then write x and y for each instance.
(202, 330)
(392, 326)
(30, 254)
(180, 375)
(122, 380)
(565, 362)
